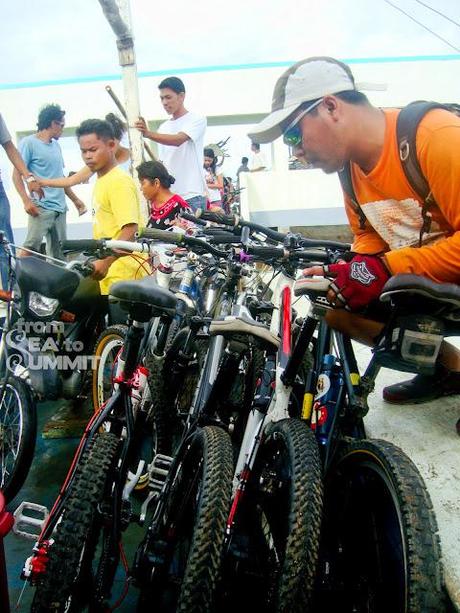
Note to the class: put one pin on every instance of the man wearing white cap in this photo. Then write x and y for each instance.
(330, 124)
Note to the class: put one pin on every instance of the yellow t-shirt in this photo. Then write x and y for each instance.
(393, 209)
(116, 204)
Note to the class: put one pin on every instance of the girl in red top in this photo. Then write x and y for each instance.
(165, 206)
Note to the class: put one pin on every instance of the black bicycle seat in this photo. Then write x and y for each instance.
(144, 292)
(440, 298)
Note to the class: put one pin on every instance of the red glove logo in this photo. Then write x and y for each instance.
(359, 281)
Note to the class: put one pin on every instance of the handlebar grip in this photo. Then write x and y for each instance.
(224, 239)
(228, 220)
(310, 256)
(193, 219)
(164, 236)
(324, 244)
(85, 244)
(266, 252)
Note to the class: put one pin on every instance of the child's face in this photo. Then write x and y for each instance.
(149, 188)
(208, 162)
(97, 154)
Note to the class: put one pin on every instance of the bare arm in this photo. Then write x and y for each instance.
(79, 204)
(18, 163)
(173, 140)
(29, 207)
(218, 184)
(79, 177)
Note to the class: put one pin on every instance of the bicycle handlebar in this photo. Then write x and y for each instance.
(266, 252)
(192, 218)
(325, 244)
(280, 237)
(224, 238)
(164, 236)
(228, 220)
(235, 221)
(180, 239)
(84, 244)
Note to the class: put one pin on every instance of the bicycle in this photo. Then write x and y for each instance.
(293, 542)
(78, 551)
(380, 546)
(372, 489)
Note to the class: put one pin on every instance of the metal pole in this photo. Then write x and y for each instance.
(121, 108)
(118, 15)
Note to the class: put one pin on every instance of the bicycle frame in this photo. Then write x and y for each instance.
(269, 405)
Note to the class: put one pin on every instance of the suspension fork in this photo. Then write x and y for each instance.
(226, 374)
(254, 429)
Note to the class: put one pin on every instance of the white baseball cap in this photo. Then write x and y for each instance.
(305, 81)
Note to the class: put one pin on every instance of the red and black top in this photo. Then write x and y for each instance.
(164, 217)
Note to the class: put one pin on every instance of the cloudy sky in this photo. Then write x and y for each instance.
(61, 40)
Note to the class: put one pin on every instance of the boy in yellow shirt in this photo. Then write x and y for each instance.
(116, 208)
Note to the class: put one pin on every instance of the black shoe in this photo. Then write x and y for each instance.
(423, 388)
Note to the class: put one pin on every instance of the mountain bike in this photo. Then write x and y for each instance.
(278, 547)
(78, 551)
(380, 547)
(379, 544)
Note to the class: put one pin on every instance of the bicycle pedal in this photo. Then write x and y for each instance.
(36, 519)
(158, 472)
(159, 469)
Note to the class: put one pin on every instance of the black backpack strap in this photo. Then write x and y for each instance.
(347, 186)
(406, 130)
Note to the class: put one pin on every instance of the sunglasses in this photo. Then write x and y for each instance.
(292, 136)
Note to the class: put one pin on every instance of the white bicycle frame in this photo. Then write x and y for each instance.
(278, 408)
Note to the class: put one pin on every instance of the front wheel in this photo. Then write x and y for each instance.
(107, 350)
(189, 537)
(271, 562)
(69, 581)
(380, 549)
(18, 430)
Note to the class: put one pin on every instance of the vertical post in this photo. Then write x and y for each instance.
(118, 15)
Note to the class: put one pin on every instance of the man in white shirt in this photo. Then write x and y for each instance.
(180, 141)
(258, 161)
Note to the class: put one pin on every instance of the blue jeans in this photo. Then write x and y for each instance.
(5, 227)
(197, 202)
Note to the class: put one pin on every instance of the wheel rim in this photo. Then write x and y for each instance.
(267, 510)
(106, 369)
(368, 549)
(11, 430)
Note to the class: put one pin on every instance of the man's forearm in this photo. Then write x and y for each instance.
(16, 159)
(19, 185)
(172, 140)
(71, 194)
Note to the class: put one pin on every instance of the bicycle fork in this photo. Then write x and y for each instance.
(252, 439)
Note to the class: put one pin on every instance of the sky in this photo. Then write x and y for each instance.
(53, 40)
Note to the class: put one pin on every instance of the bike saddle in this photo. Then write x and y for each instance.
(37, 275)
(135, 296)
(243, 325)
(312, 287)
(436, 298)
